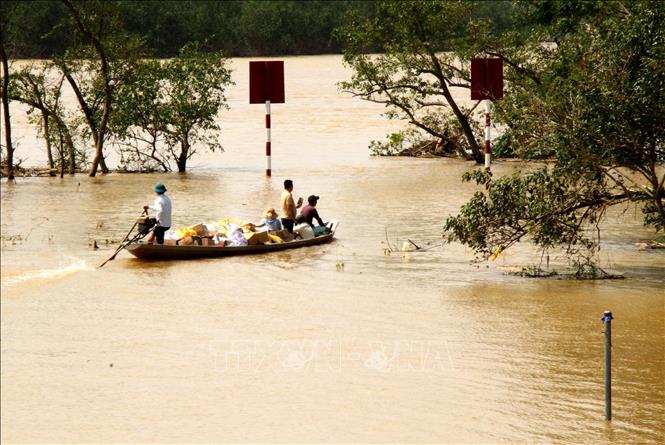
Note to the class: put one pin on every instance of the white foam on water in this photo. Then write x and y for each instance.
(45, 274)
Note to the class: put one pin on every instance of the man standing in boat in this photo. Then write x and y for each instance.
(289, 206)
(162, 206)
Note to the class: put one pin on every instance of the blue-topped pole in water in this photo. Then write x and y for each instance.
(607, 321)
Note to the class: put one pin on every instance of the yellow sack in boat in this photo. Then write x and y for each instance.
(185, 231)
(195, 230)
(200, 230)
(229, 220)
(276, 239)
(254, 238)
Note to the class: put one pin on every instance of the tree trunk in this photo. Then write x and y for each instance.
(461, 117)
(464, 123)
(5, 112)
(63, 130)
(98, 161)
(72, 154)
(102, 161)
(95, 163)
(98, 130)
(62, 156)
(47, 138)
(182, 159)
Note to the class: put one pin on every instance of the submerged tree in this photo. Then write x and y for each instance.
(194, 84)
(38, 87)
(96, 70)
(413, 75)
(594, 103)
(170, 109)
(137, 123)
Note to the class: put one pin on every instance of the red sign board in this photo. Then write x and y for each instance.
(486, 79)
(266, 82)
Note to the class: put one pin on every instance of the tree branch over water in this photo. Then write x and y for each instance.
(596, 111)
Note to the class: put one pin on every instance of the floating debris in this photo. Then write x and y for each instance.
(644, 245)
(584, 273)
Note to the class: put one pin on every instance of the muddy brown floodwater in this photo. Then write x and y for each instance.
(335, 343)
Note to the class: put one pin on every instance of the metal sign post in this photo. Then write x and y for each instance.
(607, 321)
(266, 85)
(268, 154)
(488, 140)
(487, 85)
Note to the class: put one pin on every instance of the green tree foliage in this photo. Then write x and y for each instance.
(591, 98)
(38, 29)
(414, 75)
(136, 125)
(168, 25)
(236, 27)
(291, 27)
(196, 82)
(158, 113)
(171, 107)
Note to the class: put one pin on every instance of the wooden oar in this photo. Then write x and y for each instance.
(112, 257)
(123, 243)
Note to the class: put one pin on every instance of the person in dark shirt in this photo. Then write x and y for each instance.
(309, 213)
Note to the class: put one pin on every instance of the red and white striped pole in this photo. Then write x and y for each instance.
(488, 147)
(268, 172)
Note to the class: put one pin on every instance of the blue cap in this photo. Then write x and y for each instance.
(160, 188)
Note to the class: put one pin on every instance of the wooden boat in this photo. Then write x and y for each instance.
(169, 252)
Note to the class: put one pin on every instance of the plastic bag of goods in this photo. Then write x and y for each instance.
(236, 237)
(304, 230)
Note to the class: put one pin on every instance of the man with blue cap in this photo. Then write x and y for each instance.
(162, 206)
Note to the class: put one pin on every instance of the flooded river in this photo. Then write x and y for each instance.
(335, 343)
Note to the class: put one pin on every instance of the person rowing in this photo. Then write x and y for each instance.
(162, 206)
